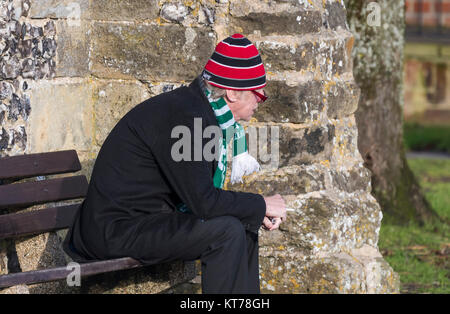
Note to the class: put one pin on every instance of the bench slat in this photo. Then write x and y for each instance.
(38, 221)
(31, 165)
(87, 269)
(38, 192)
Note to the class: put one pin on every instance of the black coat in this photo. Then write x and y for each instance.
(134, 178)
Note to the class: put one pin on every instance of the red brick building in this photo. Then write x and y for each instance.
(428, 17)
(427, 60)
(429, 13)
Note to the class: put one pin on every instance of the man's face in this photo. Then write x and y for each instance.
(245, 104)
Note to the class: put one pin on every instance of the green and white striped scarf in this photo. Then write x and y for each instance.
(243, 163)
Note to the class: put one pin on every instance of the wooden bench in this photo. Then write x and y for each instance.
(19, 195)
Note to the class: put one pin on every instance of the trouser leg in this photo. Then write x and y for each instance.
(247, 279)
(225, 263)
(221, 243)
(253, 262)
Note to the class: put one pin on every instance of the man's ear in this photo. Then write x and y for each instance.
(232, 95)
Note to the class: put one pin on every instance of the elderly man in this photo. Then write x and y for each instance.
(147, 203)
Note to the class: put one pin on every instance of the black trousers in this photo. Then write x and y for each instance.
(228, 252)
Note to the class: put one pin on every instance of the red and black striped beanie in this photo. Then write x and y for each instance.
(235, 64)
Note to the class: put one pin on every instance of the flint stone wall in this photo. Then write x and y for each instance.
(70, 70)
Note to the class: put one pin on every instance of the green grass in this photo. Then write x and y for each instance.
(419, 137)
(421, 255)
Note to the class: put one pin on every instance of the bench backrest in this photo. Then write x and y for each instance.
(14, 196)
(24, 194)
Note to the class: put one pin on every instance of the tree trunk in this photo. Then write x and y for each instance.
(378, 70)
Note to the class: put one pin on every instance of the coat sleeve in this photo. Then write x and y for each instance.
(193, 183)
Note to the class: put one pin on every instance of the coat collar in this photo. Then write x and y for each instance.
(196, 86)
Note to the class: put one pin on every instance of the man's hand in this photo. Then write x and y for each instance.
(276, 210)
(271, 223)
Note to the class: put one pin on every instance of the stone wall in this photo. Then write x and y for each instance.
(71, 69)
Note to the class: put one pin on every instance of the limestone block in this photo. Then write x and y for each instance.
(336, 15)
(269, 18)
(342, 97)
(285, 181)
(294, 103)
(293, 23)
(353, 179)
(62, 116)
(280, 145)
(241, 8)
(323, 222)
(113, 10)
(305, 145)
(112, 100)
(345, 272)
(326, 55)
(380, 276)
(290, 274)
(304, 101)
(72, 49)
(144, 51)
(119, 10)
(60, 9)
(279, 56)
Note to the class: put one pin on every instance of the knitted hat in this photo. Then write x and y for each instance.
(235, 64)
